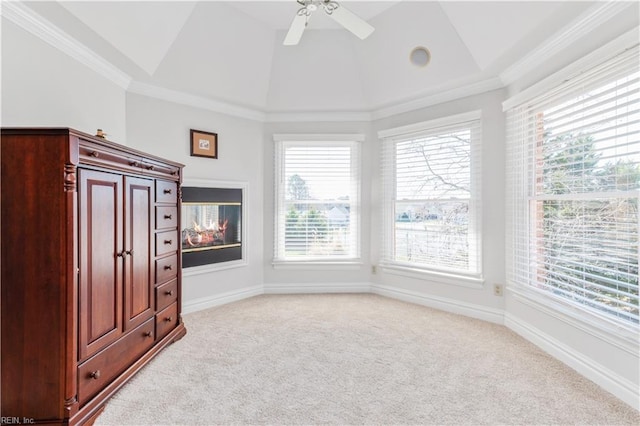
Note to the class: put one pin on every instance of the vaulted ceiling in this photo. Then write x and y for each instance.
(231, 51)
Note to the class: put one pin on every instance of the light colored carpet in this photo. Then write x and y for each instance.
(355, 359)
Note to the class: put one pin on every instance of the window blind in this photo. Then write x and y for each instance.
(573, 190)
(431, 195)
(317, 191)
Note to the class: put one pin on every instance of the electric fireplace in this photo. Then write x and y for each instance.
(211, 225)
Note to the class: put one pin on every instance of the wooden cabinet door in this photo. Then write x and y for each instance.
(138, 282)
(100, 259)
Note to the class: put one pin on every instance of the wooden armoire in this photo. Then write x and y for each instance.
(91, 282)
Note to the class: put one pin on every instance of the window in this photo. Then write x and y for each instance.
(574, 166)
(317, 197)
(431, 200)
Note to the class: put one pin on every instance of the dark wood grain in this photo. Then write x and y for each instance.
(78, 270)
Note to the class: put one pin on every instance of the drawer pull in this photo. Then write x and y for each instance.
(129, 252)
(167, 216)
(134, 164)
(168, 242)
(167, 267)
(148, 334)
(167, 191)
(168, 319)
(169, 292)
(95, 154)
(120, 254)
(174, 173)
(150, 167)
(95, 375)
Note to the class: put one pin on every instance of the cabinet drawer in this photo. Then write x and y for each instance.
(102, 368)
(166, 268)
(166, 192)
(166, 242)
(166, 320)
(166, 294)
(166, 217)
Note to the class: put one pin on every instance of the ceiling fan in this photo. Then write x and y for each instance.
(339, 13)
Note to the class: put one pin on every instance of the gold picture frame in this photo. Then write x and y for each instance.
(204, 144)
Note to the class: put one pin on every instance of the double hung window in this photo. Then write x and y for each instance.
(431, 195)
(317, 197)
(574, 188)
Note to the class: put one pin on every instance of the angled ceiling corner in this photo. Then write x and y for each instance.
(143, 31)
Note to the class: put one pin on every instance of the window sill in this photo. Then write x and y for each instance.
(324, 265)
(469, 281)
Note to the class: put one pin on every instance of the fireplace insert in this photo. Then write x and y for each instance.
(211, 225)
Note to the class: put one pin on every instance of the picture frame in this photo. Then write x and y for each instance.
(204, 144)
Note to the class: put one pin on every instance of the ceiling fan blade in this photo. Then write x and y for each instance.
(296, 29)
(352, 22)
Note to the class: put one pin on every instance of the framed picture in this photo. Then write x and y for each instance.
(204, 144)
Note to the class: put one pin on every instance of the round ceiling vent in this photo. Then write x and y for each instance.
(420, 56)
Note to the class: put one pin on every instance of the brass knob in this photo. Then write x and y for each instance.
(167, 191)
(167, 267)
(95, 375)
(148, 334)
(169, 292)
(167, 242)
(167, 216)
(168, 319)
(94, 154)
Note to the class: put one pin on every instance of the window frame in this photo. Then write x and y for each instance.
(523, 168)
(473, 277)
(283, 141)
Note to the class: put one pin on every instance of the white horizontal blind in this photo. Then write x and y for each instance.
(573, 190)
(318, 186)
(431, 200)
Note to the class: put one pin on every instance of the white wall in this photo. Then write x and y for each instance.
(477, 302)
(162, 128)
(41, 86)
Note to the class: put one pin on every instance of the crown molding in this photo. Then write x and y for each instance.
(318, 116)
(37, 25)
(30, 21)
(188, 99)
(586, 23)
(438, 98)
(615, 47)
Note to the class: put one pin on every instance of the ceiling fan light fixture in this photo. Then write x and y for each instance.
(338, 13)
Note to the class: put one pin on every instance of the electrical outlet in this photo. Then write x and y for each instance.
(374, 269)
(497, 289)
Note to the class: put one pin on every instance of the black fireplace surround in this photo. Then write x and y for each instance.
(211, 225)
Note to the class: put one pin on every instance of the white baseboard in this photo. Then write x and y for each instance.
(221, 299)
(302, 288)
(612, 382)
(448, 305)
